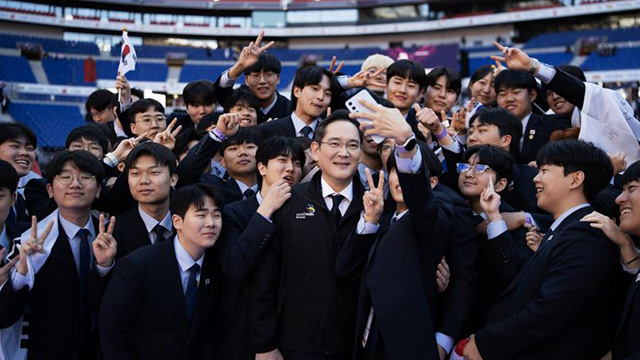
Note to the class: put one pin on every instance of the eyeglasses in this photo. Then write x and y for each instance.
(352, 146)
(158, 120)
(267, 76)
(67, 178)
(385, 149)
(478, 169)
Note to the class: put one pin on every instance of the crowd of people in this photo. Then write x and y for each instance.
(303, 228)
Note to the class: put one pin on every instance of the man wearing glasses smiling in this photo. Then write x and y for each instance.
(146, 116)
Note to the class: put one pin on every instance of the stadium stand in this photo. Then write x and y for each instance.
(51, 123)
(15, 68)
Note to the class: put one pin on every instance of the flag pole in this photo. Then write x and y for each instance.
(124, 29)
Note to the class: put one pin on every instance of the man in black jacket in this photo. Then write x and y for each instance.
(261, 75)
(562, 301)
(300, 309)
(161, 300)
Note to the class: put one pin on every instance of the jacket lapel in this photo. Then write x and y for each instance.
(205, 298)
(63, 256)
(529, 137)
(173, 283)
(287, 126)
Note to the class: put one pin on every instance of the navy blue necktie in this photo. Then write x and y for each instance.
(192, 289)
(335, 209)
(248, 193)
(159, 231)
(307, 131)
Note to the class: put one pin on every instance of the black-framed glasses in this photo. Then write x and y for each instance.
(478, 169)
(335, 145)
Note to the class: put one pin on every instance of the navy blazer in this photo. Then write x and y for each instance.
(280, 127)
(537, 133)
(561, 303)
(281, 109)
(143, 313)
(627, 345)
(399, 280)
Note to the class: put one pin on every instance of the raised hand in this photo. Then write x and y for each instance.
(33, 245)
(275, 197)
(619, 162)
(490, 202)
(533, 238)
(249, 56)
(168, 136)
(373, 199)
(608, 227)
(428, 119)
(333, 64)
(386, 122)
(105, 246)
(514, 58)
(443, 275)
(365, 79)
(124, 88)
(6, 268)
(228, 124)
(125, 147)
(459, 118)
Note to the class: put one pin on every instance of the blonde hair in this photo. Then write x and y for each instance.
(377, 60)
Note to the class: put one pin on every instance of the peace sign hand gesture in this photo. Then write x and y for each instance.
(490, 202)
(249, 56)
(366, 79)
(515, 58)
(105, 246)
(33, 245)
(373, 199)
(168, 137)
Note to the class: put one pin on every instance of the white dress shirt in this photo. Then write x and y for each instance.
(185, 261)
(5, 241)
(243, 187)
(150, 223)
(298, 124)
(524, 122)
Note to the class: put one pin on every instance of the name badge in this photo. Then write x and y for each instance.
(532, 133)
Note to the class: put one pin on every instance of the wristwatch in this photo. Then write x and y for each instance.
(409, 145)
(535, 64)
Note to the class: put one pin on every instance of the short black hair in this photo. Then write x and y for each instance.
(161, 153)
(184, 138)
(245, 135)
(266, 62)
(91, 133)
(453, 78)
(200, 92)
(578, 155)
(428, 157)
(512, 79)
(142, 106)
(339, 115)
(83, 160)
(100, 100)
(632, 173)
(242, 96)
(208, 120)
(480, 72)
(194, 195)
(8, 177)
(15, 131)
(507, 123)
(276, 146)
(312, 75)
(408, 69)
(497, 159)
(572, 70)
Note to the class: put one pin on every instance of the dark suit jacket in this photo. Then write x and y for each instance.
(536, 135)
(461, 252)
(626, 345)
(14, 230)
(399, 278)
(281, 109)
(282, 127)
(192, 167)
(130, 232)
(143, 315)
(560, 304)
(244, 237)
(55, 330)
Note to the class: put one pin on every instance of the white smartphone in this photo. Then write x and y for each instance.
(353, 105)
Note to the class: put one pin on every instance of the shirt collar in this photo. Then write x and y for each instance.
(184, 259)
(525, 121)
(72, 229)
(150, 222)
(118, 130)
(243, 187)
(298, 124)
(4, 238)
(566, 214)
(399, 216)
(347, 192)
(259, 198)
(266, 110)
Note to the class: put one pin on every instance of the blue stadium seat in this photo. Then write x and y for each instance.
(625, 58)
(15, 68)
(51, 123)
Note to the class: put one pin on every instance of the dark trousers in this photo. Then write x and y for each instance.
(292, 355)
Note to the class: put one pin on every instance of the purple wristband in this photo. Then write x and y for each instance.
(443, 134)
(219, 134)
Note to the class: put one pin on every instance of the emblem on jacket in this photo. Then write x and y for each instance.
(309, 210)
